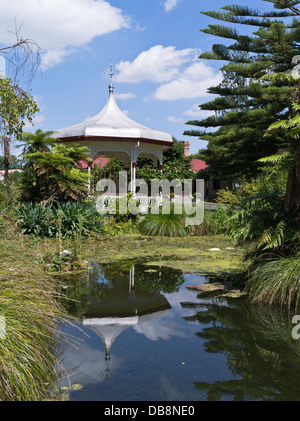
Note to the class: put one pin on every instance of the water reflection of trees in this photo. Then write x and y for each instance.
(97, 282)
(158, 278)
(260, 351)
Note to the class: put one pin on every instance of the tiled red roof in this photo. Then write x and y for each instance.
(198, 165)
(101, 162)
(2, 172)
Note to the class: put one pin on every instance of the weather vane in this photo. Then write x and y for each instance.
(112, 71)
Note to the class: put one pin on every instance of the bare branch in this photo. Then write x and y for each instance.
(23, 56)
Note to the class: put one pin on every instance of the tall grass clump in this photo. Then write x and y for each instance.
(173, 225)
(276, 281)
(170, 225)
(30, 313)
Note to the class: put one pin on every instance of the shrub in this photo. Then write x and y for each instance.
(259, 219)
(214, 222)
(228, 197)
(111, 227)
(128, 217)
(262, 223)
(36, 219)
(207, 227)
(91, 220)
(221, 218)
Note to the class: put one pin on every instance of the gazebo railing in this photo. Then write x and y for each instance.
(144, 202)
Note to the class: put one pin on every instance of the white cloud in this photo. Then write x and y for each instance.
(193, 82)
(53, 57)
(139, 28)
(179, 72)
(124, 96)
(160, 329)
(170, 4)
(58, 26)
(158, 64)
(195, 111)
(174, 119)
(36, 121)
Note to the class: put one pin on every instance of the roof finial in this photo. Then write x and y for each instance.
(111, 71)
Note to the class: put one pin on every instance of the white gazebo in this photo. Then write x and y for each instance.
(111, 133)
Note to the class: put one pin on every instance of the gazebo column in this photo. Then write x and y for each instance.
(133, 166)
(160, 159)
(89, 172)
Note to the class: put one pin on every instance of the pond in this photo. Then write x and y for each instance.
(145, 336)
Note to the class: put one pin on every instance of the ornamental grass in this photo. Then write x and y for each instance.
(170, 225)
(276, 281)
(29, 315)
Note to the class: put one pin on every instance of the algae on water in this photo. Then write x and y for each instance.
(189, 254)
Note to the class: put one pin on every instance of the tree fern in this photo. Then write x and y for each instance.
(274, 159)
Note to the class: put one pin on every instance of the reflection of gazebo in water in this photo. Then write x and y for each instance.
(112, 134)
(123, 308)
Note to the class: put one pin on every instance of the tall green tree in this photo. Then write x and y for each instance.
(290, 129)
(16, 106)
(244, 105)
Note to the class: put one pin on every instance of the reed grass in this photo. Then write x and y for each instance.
(170, 225)
(30, 307)
(276, 281)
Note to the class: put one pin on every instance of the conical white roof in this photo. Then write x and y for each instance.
(109, 328)
(111, 122)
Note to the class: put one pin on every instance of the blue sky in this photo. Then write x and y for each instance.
(154, 43)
